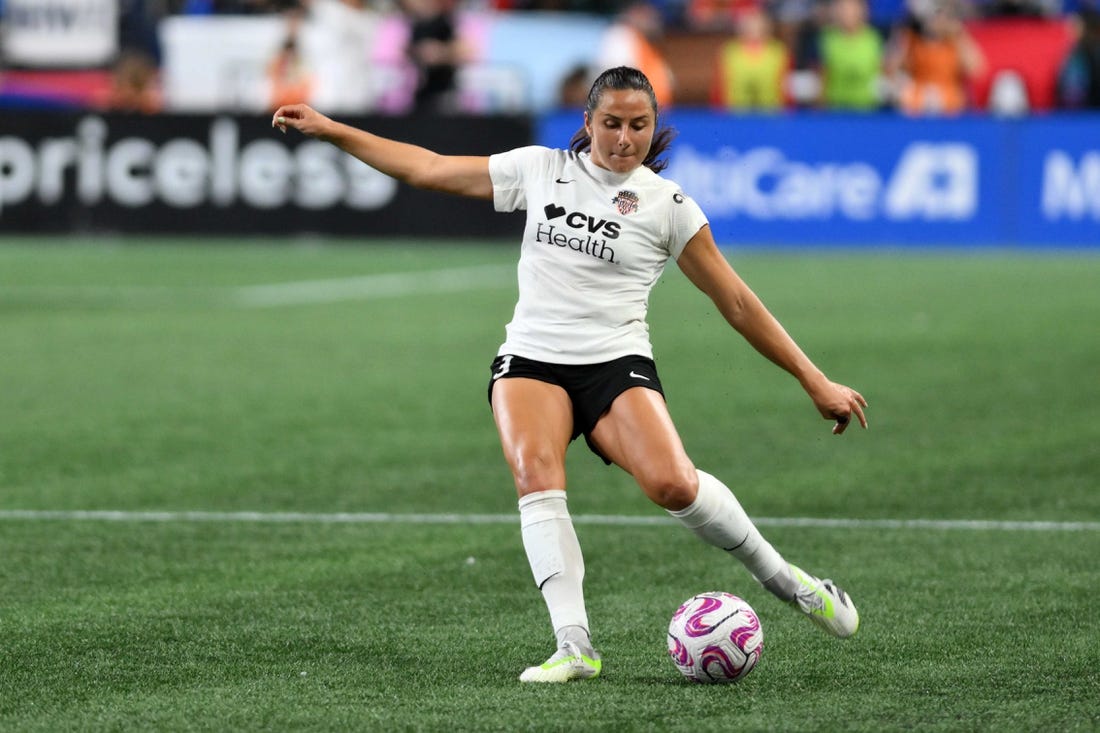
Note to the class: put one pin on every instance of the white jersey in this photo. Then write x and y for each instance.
(594, 245)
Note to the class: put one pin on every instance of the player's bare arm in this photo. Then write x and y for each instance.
(703, 263)
(411, 164)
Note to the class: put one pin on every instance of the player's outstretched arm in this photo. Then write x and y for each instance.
(411, 164)
(705, 266)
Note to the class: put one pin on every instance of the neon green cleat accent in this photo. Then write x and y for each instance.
(567, 663)
(826, 604)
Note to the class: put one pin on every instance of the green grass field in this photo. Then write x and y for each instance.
(247, 382)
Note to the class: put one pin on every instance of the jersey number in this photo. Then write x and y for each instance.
(505, 365)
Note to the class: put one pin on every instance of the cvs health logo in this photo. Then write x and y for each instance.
(586, 222)
(582, 233)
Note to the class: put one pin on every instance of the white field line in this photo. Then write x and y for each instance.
(111, 295)
(271, 295)
(368, 287)
(593, 519)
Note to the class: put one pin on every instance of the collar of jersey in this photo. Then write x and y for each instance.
(603, 175)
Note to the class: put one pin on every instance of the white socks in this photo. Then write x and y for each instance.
(558, 566)
(556, 562)
(718, 519)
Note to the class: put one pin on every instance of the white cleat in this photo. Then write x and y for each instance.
(826, 604)
(568, 663)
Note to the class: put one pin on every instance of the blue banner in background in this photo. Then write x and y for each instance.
(884, 180)
(1059, 175)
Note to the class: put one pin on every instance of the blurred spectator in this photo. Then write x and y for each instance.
(632, 41)
(796, 22)
(803, 41)
(1079, 77)
(604, 7)
(931, 60)
(135, 73)
(573, 90)
(713, 15)
(287, 73)
(137, 27)
(1020, 8)
(135, 84)
(752, 67)
(436, 51)
(238, 7)
(341, 34)
(851, 58)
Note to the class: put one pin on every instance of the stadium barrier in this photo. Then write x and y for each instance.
(819, 179)
(234, 175)
(804, 180)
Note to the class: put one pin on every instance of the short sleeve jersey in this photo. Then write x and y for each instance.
(594, 244)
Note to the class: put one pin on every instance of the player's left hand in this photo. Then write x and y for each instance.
(838, 402)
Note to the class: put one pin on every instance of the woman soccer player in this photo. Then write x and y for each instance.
(577, 360)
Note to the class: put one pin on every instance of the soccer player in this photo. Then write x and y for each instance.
(577, 360)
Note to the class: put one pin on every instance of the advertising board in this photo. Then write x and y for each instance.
(62, 172)
(823, 179)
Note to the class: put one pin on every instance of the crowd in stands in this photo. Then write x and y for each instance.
(928, 57)
(938, 57)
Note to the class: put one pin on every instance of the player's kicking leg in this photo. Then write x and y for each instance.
(638, 435)
(717, 517)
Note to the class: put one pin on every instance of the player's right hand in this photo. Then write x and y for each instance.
(302, 118)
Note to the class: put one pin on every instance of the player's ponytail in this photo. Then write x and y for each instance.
(618, 78)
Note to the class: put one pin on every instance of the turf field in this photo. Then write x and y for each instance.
(257, 487)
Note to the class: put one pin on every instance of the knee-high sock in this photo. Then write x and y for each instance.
(718, 519)
(556, 561)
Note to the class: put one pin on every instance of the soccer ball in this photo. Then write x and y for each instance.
(715, 637)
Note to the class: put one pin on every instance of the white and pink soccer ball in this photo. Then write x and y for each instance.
(715, 637)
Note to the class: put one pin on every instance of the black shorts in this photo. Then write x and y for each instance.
(591, 387)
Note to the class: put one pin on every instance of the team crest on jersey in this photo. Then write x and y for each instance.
(626, 202)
